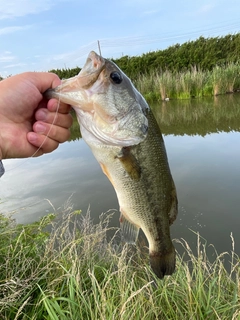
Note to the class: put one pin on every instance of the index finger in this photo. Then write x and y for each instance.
(42, 80)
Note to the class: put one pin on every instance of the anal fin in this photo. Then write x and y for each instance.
(129, 230)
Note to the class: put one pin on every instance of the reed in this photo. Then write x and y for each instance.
(73, 272)
(166, 84)
(184, 87)
(148, 83)
(191, 83)
(232, 74)
(198, 82)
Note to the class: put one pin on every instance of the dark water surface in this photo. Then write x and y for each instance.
(202, 139)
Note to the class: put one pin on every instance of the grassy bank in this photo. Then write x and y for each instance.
(194, 83)
(73, 272)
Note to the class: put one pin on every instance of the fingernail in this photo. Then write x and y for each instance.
(39, 128)
(41, 114)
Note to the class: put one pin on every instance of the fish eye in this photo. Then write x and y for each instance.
(116, 77)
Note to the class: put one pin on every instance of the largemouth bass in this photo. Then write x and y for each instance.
(119, 127)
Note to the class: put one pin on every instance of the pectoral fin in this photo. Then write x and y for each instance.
(129, 230)
(130, 163)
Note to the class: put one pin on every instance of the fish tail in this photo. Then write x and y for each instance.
(163, 264)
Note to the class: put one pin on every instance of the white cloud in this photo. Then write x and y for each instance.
(14, 65)
(149, 12)
(143, 3)
(6, 57)
(15, 8)
(13, 29)
(206, 8)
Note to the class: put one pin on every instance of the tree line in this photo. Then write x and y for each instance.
(203, 53)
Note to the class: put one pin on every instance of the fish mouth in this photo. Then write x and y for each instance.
(84, 80)
(84, 93)
(91, 70)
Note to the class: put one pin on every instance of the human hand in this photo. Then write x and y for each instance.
(29, 124)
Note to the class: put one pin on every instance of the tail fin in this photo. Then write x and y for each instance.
(163, 264)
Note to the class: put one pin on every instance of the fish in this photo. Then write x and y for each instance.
(122, 132)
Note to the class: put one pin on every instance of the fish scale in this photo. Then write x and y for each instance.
(120, 128)
(150, 202)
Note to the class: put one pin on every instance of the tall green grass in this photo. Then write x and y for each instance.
(191, 83)
(73, 272)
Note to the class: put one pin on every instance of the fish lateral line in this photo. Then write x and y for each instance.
(137, 168)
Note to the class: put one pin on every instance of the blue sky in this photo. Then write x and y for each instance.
(39, 35)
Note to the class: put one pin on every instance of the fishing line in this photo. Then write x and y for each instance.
(52, 124)
(136, 41)
(99, 48)
(47, 135)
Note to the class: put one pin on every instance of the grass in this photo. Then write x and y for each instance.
(193, 83)
(73, 272)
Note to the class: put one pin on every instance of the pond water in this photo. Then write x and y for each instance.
(202, 139)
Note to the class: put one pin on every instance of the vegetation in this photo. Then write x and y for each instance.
(66, 73)
(73, 272)
(205, 53)
(204, 67)
(191, 83)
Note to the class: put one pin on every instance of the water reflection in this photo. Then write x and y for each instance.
(199, 117)
(202, 140)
